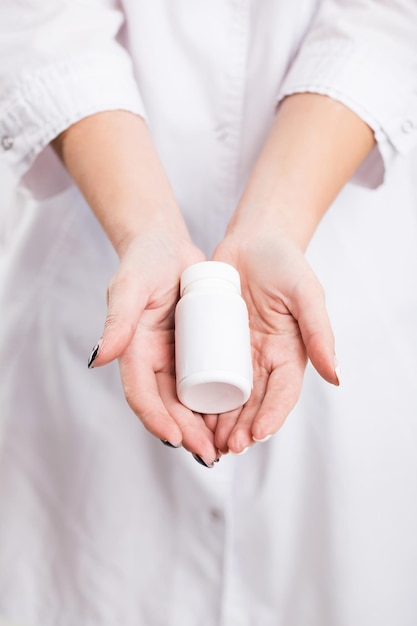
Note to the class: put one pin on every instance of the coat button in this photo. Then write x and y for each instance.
(221, 132)
(7, 142)
(407, 126)
(216, 514)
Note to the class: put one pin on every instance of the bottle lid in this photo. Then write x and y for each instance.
(210, 270)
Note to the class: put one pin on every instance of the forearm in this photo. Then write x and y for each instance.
(111, 158)
(314, 147)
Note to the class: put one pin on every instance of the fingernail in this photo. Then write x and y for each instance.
(337, 370)
(241, 452)
(94, 352)
(200, 460)
(262, 440)
(169, 444)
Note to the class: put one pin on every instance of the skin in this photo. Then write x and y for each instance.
(314, 147)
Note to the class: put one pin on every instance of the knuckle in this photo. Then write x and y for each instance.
(314, 290)
(124, 278)
(115, 323)
(123, 281)
(320, 294)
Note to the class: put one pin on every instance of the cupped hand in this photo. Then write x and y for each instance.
(288, 324)
(139, 331)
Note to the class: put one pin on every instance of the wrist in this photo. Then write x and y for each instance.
(314, 147)
(112, 159)
(155, 226)
(294, 218)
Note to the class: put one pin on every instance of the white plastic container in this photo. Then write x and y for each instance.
(212, 340)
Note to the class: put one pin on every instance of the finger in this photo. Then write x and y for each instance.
(240, 437)
(196, 436)
(210, 421)
(225, 424)
(314, 323)
(142, 394)
(127, 299)
(282, 392)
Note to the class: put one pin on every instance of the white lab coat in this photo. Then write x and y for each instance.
(101, 525)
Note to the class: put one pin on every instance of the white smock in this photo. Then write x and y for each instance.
(100, 524)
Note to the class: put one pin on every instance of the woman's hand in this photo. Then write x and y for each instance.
(112, 159)
(314, 147)
(139, 331)
(288, 323)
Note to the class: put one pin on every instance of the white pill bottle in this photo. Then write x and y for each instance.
(212, 340)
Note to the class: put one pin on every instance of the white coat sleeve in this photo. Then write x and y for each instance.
(364, 54)
(60, 61)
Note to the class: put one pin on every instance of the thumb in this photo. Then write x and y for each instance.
(126, 301)
(316, 330)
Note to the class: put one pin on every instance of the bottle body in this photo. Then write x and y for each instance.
(212, 340)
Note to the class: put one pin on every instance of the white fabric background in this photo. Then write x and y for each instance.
(314, 528)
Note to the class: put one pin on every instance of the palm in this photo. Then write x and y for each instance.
(147, 364)
(274, 275)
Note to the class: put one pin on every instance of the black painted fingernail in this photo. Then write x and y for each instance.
(94, 353)
(200, 460)
(169, 444)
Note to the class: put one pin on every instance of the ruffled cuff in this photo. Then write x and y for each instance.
(381, 92)
(43, 103)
